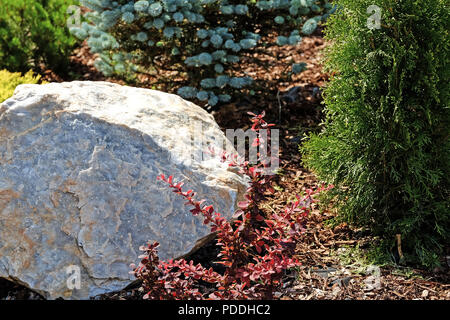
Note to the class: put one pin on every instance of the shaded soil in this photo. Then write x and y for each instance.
(330, 270)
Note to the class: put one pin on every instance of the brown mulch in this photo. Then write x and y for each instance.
(294, 105)
(323, 274)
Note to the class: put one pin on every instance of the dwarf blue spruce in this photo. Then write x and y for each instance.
(204, 40)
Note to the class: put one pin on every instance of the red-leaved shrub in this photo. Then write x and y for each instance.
(255, 250)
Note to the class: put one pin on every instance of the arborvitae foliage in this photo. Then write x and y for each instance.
(385, 142)
(34, 32)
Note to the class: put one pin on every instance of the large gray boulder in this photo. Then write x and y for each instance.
(78, 189)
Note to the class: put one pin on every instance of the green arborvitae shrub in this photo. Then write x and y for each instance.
(201, 41)
(9, 81)
(385, 142)
(34, 32)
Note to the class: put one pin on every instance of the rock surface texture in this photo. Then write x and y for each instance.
(78, 189)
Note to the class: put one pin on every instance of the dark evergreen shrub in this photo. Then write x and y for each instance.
(385, 142)
(34, 32)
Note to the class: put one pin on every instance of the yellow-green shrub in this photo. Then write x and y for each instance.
(9, 81)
